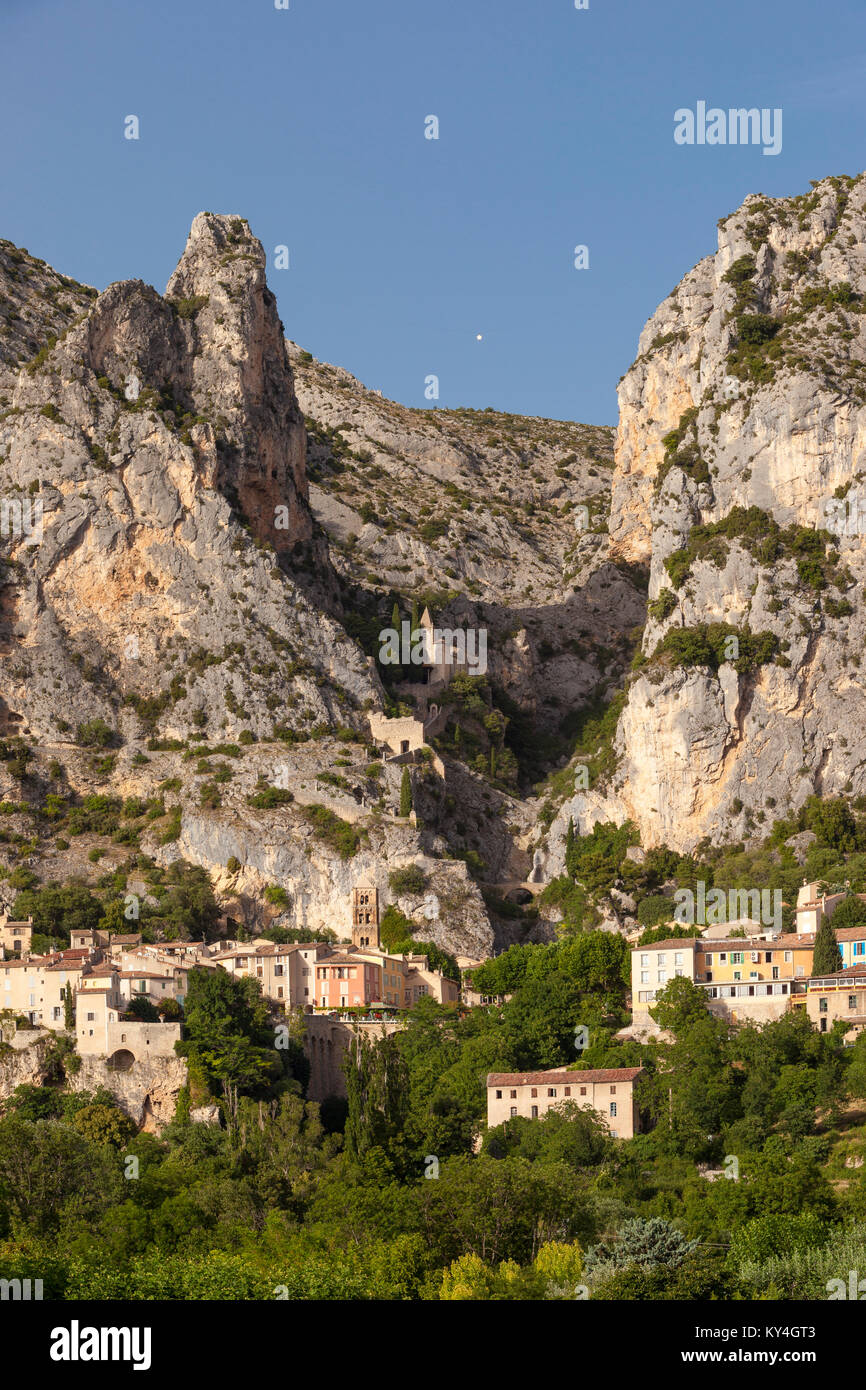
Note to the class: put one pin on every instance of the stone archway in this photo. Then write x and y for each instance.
(121, 1060)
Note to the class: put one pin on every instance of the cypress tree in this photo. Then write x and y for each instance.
(68, 1008)
(405, 793)
(395, 618)
(569, 847)
(826, 957)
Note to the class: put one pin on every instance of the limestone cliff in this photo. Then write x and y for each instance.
(740, 446)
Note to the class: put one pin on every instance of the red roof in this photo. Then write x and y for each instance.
(560, 1074)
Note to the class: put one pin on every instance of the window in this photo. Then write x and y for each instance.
(551, 1091)
(738, 974)
(613, 1090)
(822, 1006)
(736, 958)
(644, 960)
(613, 1109)
(860, 948)
(788, 956)
(513, 1111)
(662, 976)
(91, 1018)
(498, 1095)
(852, 1001)
(568, 1090)
(534, 1091)
(723, 956)
(678, 958)
(662, 960)
(535, 1112)
(583, 1090)
(514, 1095)
(644, 977)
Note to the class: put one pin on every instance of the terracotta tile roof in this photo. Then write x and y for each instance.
(674, 941)
(851, 972)
(743, 943)
(560, 1075)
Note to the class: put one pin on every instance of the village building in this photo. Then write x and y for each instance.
(829, 998)
(609, 1091)
(15, 937)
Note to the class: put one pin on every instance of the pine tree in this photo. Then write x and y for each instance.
(826, 957)
(405, 793)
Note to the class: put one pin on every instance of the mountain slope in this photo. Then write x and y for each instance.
(740, 442)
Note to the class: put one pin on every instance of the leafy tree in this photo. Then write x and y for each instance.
(376, 1085)
(851, 912)
(227, 1034)
(566, 1133)
(57, 911)
(655, 909)
(143, 1010)
(104, 1124)
(49, 1171)
(502, 1209)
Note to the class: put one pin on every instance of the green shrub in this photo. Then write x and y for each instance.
(269, 797)
(95, 733)
(410, 880)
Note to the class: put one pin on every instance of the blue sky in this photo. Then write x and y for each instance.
(556, 129)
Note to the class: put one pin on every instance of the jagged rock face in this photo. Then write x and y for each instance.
(508, 511)
(138, 433)
(148, 1092)
(35, 304)
(25, 1066)
(784, 444)
(769, 362)
(503, 492)
(240, 371)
